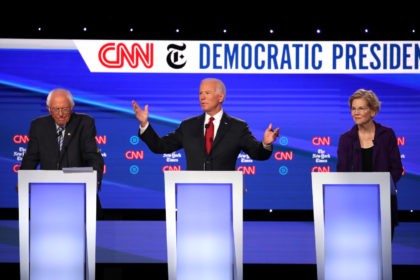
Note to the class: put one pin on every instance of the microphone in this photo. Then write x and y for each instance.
(207, 165)
(207, 125)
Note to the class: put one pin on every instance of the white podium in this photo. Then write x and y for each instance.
(57, 224)
(204, 224)
(352, 220)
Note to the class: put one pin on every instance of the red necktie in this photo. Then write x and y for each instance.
(209, 135)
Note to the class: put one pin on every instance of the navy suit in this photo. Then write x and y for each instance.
(79, 146)
(232, 137)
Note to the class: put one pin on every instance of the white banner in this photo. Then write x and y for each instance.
(253, 57)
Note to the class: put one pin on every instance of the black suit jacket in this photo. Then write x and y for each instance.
(79, 147)
(233, 136)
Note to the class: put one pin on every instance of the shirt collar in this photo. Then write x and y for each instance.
(57, 126)
(216, 117)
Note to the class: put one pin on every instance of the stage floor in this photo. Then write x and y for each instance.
(263, 242)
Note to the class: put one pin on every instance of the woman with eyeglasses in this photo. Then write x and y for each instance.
(369, 146)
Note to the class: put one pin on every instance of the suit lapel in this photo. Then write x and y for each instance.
(224, 127)
(51, 136)
(70, 127)
(200, 132)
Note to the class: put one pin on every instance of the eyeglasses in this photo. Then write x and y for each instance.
(64, 110)
(359, 109)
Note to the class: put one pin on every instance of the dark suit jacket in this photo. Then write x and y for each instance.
(79, 147)
(386, 157)
(233, 135)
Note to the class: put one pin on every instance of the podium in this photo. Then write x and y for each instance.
(57, 224)
(352, 221)
(204, 224)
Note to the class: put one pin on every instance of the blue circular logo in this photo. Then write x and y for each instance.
(134, 140)
(283, 170)
(134, 169)
(283, 141)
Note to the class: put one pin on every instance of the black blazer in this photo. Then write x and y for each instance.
(233, 136)
(79, 147)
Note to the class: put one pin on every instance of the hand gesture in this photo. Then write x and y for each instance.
(141, 115)
(270, 135)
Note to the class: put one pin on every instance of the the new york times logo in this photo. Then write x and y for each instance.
(175, 58)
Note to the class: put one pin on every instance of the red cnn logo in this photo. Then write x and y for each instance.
(283, 155)
(134, 155)
(171, 168)
(247, 170)
(321, 169)
(113, 55)
(321, 141)
(20, 139)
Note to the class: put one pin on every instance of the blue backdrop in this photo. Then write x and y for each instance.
(310, 109)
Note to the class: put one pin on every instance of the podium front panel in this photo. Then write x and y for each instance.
(61, 229)
(352, 221)
(352, 229)
(204, 224)
(57, 231)
(204, 231)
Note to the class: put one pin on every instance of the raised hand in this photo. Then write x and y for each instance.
(141, 115)
(270, 134)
